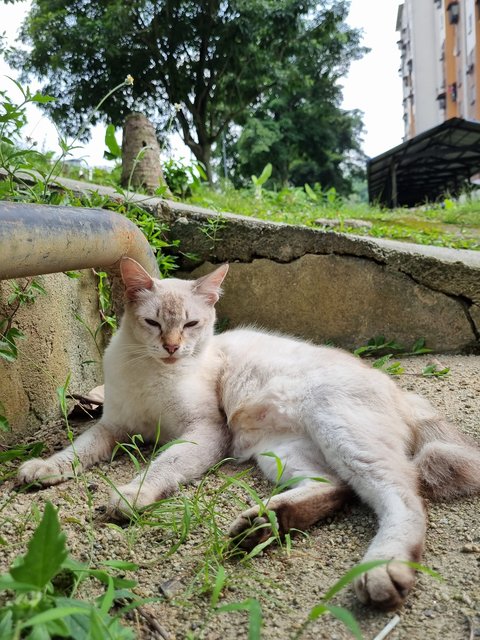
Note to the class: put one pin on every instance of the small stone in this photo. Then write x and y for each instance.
(169, 588)
(470, 548)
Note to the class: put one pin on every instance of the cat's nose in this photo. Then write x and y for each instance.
(171, 348)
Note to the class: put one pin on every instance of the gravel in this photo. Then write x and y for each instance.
(287, 584)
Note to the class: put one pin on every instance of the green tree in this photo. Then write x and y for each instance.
(314, 142)
(197, 63)
(299, 125)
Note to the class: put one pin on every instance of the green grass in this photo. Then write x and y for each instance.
(448, 224)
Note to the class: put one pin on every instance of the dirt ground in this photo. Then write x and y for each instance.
(287, 585)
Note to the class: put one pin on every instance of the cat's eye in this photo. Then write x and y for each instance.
(192, 323)
(153, 323)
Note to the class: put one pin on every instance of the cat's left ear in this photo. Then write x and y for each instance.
(134, 277)
(209, 286)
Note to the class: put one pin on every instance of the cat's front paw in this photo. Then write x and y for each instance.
(127, 499)
(250, 529)
(46, 472)
(385, 587)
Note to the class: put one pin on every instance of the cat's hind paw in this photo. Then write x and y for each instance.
(44, 472)
(251, 529)
(387, 586)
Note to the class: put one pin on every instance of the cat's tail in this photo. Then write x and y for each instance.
(447, 461)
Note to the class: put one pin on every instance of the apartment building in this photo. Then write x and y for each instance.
(439, 42)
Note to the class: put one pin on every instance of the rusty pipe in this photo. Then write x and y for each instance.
(37, 239)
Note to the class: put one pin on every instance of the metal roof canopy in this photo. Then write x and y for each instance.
(427, 166)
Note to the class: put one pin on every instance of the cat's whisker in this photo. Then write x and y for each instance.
(131, 358)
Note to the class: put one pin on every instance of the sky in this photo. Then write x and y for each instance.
(372, 85)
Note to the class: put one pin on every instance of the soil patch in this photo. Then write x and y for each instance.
(287, 583)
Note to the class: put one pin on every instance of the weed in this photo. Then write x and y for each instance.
(10, 457)
(432, 370)
(260, 181)
(38, 604)
(183, 179)
(392, 368)
(389, 348)
(211, 228)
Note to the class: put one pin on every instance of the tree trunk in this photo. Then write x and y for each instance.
(141, 155)
(206, 161)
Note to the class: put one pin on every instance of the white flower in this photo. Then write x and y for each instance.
(129, 80)
(177, 106)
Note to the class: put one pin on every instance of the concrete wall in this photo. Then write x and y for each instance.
(56, 344)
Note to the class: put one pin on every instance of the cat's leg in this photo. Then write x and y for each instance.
(200, 448)
(376, 467)
(97, 443)
(399, 539)
(299, 507)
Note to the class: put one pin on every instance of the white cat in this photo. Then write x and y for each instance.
(322, 411)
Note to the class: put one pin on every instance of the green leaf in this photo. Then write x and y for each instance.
(4, 423)
(106, 601)
(21, 452)
(57, 628)
(52, 614)
(260, 547)
(255, 615)
(6, 626)
(120, 564)
(201, 171)
(112, 144)
(161, 191)
(91, 623)
(317, 611)
(36, 286)
(218, 586)
(432, 370)
(96, 628)
(423, 569)
(347, 618)
(39, 97)
(311, 193)
(14, 334)
(39, 632)
(7, 582)
(265, 175)
(46, 551)
(278, 462)
(103, 576)
(62, 395)
(6, 352)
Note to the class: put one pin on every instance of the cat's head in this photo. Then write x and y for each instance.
(173, 318)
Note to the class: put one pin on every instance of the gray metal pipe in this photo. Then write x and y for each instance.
(37, 239)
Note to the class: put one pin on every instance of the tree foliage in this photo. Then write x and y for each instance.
(199, 64)
(299, 126)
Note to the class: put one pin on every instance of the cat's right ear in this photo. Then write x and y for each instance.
(209, 286)
(134, 277)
